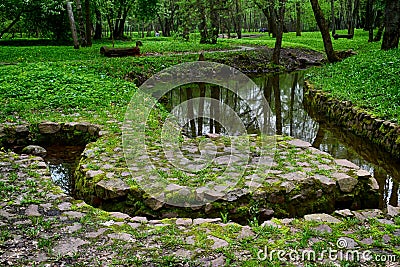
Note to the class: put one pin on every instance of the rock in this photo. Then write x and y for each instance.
(373, 184)
(74, 214)
(367, 241)
(72, 228)
(201, 221)
(112, 188)
(346, 163)
(327, 183)
(183, 222)
(344, 213)
(392, 211)
(121, 236)
(22, 129)
(346, 243)
(34, 150)
(373, 213)
(182, 253)
(323, 228)
(32, 210)
(64, 206)
(154, 203)
(190, 240)
(321, 217)
(346, 183)
(69, 246)
(363, 174)
(96, 234)
(49, 127)
(91, 174)
(213, 195)
(218, 242)
(139, 219)
(299, 143)
(220, 261)
(270, 223)
(120, 215)
(289, 186)
(246, 232)
(386, 221)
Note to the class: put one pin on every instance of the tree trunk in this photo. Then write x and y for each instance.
(203, 25)
(333, 17)
(72, 25)
(354, 16)
(214, 22)
(81, 25)
(298, 19)
(17, 18)
(98, 31)
(279, 34)
(323, 27)
(238, 19)
(273, 26)
(88, 23)
(369, 20)
(392, 25)
(349, 16)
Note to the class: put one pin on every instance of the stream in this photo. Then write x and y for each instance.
(284, 94)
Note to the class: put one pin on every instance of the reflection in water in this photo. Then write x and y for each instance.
(284, 93)
(62, 162)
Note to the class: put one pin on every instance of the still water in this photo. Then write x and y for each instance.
(284, 94)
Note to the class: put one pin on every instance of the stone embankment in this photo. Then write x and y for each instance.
(41, 226)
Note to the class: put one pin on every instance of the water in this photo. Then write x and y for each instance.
(284, 94)
(62, 162)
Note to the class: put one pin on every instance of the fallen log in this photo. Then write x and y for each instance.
(121, 52)
(337, 36)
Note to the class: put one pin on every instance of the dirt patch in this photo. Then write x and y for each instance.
(259, 60)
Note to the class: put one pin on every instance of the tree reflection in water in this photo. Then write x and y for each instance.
(284, 94)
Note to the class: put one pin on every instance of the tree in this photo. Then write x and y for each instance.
(323, 27)
(279, 33)
(392, 25)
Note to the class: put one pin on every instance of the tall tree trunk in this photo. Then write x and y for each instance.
(9, 27)
(380, 21)
(98, 31)
(392, 25)
(214, 17)
(279, 34)
(298, 19)
(273, 26)
(323, 27)
(369, 15)
(238, 19)
(349, 16)
(88, 23)
(333, 17)
(203, 25)
(354, 16)
(81, 24)
(72, 25)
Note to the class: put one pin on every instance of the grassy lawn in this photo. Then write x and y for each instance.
(60, 83)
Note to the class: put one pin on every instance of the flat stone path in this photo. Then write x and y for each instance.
(41, 226)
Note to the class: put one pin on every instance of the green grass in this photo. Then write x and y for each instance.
(310, 40)
(369, 80)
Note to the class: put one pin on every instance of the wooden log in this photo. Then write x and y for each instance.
(337, 36)
(121, 52)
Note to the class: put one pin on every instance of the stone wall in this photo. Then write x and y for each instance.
(382, 132)
(48, 133)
